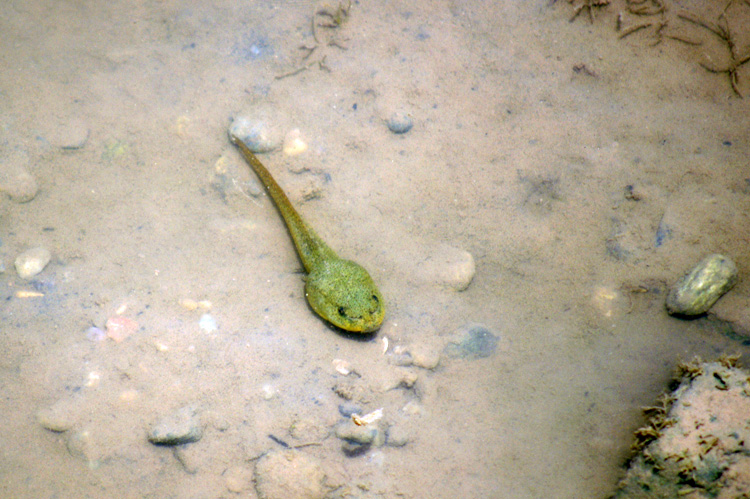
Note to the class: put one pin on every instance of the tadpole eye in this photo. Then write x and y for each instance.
(375, 298)
(342, 311)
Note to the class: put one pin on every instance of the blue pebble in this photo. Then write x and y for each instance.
(478, 342)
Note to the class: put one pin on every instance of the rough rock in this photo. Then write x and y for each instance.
(289, 473)
(181, 427)
(697, 442)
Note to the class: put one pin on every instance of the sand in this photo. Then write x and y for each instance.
(582, 172)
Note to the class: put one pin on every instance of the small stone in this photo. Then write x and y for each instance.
(269, 391)
(207, 323)
(370, 434)
(289, 474)
(32, 262)
(450, 267)
(70, 135)
(181, 427)
(15, 179)
(347, 409)
(95, 334)
(403, 359)
(353, 391)
(399, 123)
(307, 430)
(80, 445)
(294, 144)
(412, 408)
(473, 341)
(60, 416)
(257, 135)
(700, 288)
(425, 359)
(397, 437)
(238, 479)
(120, 327)
(398, 378)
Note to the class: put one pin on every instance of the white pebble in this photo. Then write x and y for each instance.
(450, 267)
(31, 262)
(207, 323)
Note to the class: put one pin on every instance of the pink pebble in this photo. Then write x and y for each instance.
(119, 328)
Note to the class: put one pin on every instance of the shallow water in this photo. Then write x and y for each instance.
(528, 130)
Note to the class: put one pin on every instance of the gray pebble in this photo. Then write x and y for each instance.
(399, 123)
(181, 427)
(347, 409)
(397, 437)
(356, 437)
(475, 342)
(357, 434)
(402, 359)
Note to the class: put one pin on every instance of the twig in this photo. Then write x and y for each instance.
(633, 29)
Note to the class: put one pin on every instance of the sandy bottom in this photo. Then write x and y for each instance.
(583, 171)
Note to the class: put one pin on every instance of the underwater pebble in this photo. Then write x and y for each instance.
(181, 427)
(699, 289)
(425, 359)
(707, 437)
(361, 435)
(15, 179)
(269, 391)
(342, 367)
(450, 267)
(400, 359)
(347, 409)
(397, 437)
(294, 144)
(80, 445)
(119, 328)
(207, 323)
(307, 430)
(398, 378)
(473, 341)
(60, 416)
(71, 135)
(95, 334)
(412, 408)
(287, 474)
(255, 133)
(31, 262)
(399, 123)
(238, 479)
(414, 356)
